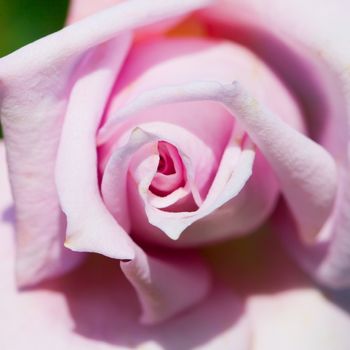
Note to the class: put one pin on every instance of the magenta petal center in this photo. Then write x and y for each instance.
(170, 172)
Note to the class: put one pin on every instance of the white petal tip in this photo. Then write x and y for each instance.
(124, 252)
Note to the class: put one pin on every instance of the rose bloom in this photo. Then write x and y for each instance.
(179, 178)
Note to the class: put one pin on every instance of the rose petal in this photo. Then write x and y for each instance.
(35, 84)
(171, 175)
(234, 217)
(232, 174)
(96, 307)
(159, 63)
(320, 55)
(326, 260)
(305, 317)
(77, 183)
(302, 166)
(291, 38)
(166, 286)
(79, 9)
(235, 169)
(287, 309)
(114, 185)
(335, 268)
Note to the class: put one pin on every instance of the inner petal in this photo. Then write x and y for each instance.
(171, 173)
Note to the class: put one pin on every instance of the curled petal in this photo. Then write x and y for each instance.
(302, 166)
(313, 58)
(35, 84)
(306, 171)
(96, 306)
(233, 172)
(335, 268)
(327, 260)
(227, 184)
(115, 178)
(76, 168)
(166, 286)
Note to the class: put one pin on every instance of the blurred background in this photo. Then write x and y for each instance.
(23, 21)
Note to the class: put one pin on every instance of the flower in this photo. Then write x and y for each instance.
(128, 138)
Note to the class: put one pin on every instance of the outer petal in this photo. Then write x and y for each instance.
(326, 261)
(298, 319)
(95, 307)
(310, 57)
(167, 285)
(286, 309)
(79, 9)
(315, 62)
(89, 225)
(35, 85)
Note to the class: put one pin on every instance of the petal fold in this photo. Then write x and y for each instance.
(35, 84)
(166, 286)
(90, 227)
(313, 59)
(306, 171)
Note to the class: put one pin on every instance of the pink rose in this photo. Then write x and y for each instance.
(193, 141)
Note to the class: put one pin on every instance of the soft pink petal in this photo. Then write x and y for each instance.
(141, 177)
(293, 39)
(35, 84)
(289, 312)
(241, 214)
(306, 171)
(319, 54)
(298, 319)
(302, 166)
(156, 280)
(95, 307)
(114, 185)
(79, 9)
(325, 260)
(198, 158)
(287, 309)
(157, 63)
(168, 284)
(233, 172)
(172, 62)
(233, 218)
(89, 225)
(335, 268)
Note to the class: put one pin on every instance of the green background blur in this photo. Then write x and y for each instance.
(23, 21)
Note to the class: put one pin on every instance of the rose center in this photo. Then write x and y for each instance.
(170, 173)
